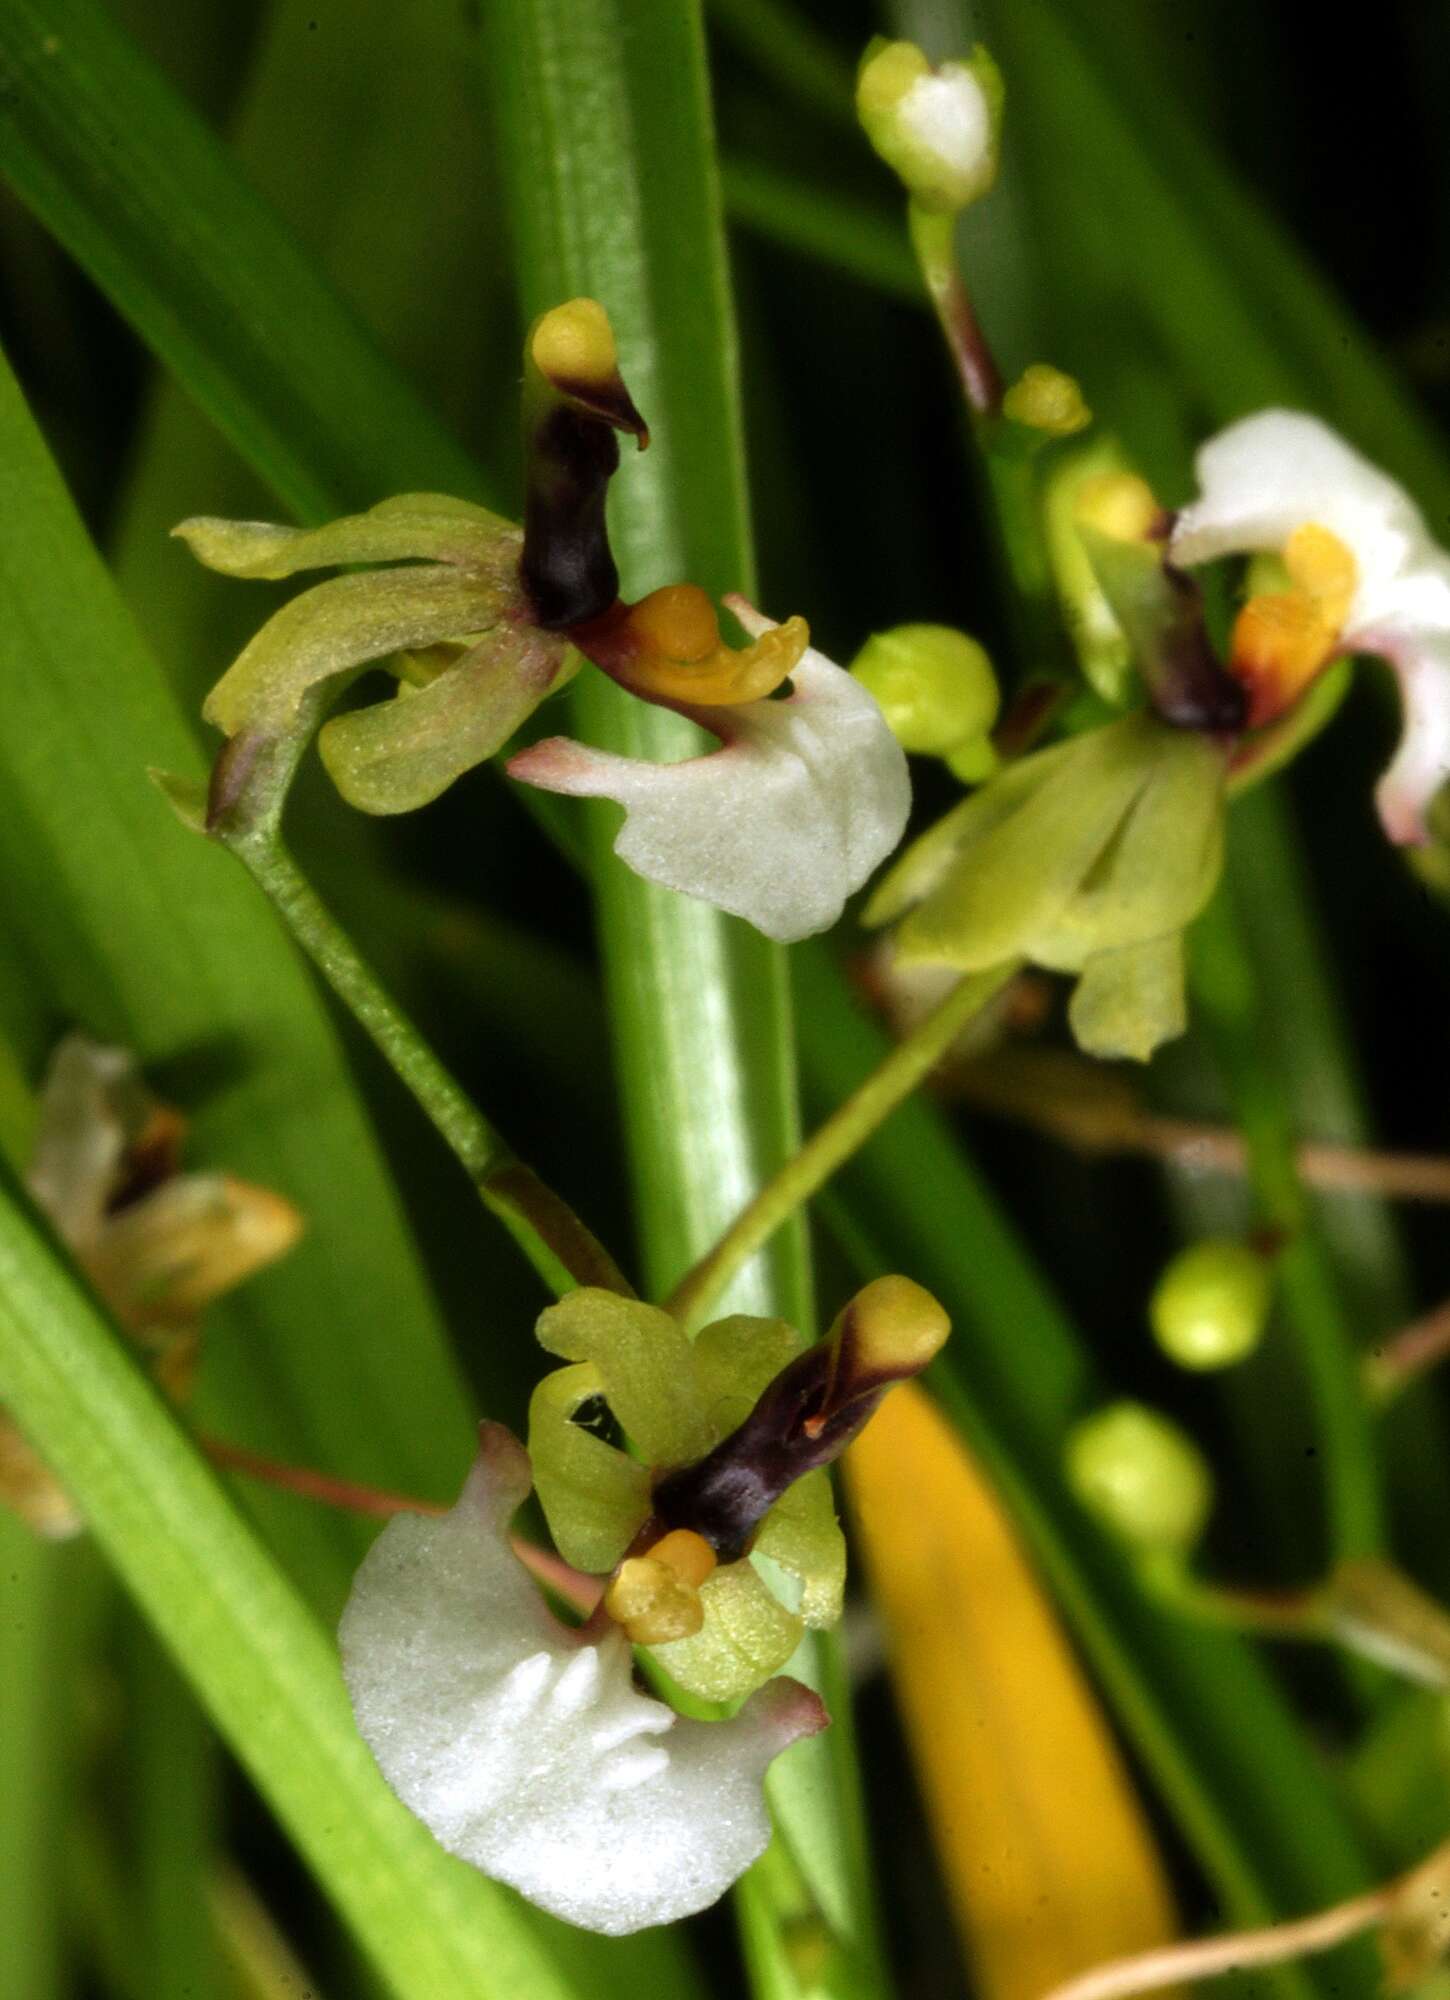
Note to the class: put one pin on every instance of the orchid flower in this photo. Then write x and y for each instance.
(479, 624)
(1364, 575)
(525, 1746)
(158, 1245)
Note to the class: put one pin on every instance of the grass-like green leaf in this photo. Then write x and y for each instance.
(138, 931)
(604, 115)
(134, 185)
(266, 1669)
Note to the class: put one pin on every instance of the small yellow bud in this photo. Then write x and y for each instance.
(1211, 1304)
(934, 685)
(1045, 399)
(1118, 504)
(937, 128)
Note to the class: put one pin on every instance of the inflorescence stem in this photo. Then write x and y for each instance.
(1242, 1951)
(844, 1132)
(1245, 1951)
(561, 1248)
(933, 238)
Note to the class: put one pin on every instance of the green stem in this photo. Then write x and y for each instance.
(560, 1247)
(934, 240)
(848, 1129)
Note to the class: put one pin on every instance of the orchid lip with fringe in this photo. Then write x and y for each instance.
(524, 1745)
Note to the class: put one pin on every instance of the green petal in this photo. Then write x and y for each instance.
(748, 1635)
(645, 1365)
(400, 754)
(1162, 867)
(1014, 879)
(736, 1359)
(802, 1534)
(428, 525)
(595, 1499)
(929, 860)
(335, 627)
(1131, 1000)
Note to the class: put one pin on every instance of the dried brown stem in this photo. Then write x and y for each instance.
(1053, 1093)
(1244, 1951)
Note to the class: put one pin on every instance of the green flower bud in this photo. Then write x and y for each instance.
(1211, 1304)
(1047, 400)
(938, 129)
(1140, 1476)
(935, 686)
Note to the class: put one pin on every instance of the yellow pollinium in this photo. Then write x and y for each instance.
(656, 1596)
(1282, 639)
(675, 652)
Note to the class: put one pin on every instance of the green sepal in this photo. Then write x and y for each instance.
(1131, 1000)
(1162, 865)
(802, 1534)
(400, 754)
(1101, 644)
(748, 1635)
(595, 1498)
(735, 1361)
(646, 1369)
(334, 628)
(429, 526)
(1024, 845)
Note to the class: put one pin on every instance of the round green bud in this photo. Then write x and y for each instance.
(937, 128)
(1047, 400)
(934, 685)
(1140, 1476)
(1211, 1304)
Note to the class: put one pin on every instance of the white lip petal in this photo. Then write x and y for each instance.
(1421, 764)
(802, 801)
(527, 1750)
(1270, 474)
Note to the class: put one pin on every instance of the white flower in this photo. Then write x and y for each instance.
(807, 795)
(525, 1746)
(1276, 478)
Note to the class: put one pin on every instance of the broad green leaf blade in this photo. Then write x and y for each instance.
(143, 933)
(604, 114)
(265, 1668)
(136, 188)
